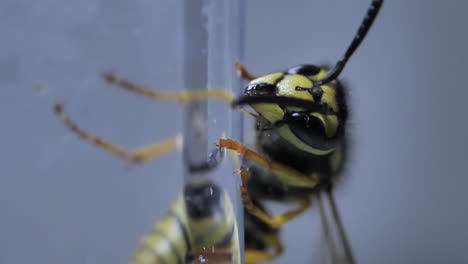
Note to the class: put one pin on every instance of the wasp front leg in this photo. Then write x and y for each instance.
(180, 97)
(284, 173)
(244, 73)
(142, 154)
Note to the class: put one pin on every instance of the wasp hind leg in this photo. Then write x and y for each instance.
(254, 256)
(270, 240)
(142, 154)
(272, 220)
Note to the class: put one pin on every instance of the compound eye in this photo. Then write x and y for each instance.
(309, 129)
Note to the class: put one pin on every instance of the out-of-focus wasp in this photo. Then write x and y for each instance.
(200, 227)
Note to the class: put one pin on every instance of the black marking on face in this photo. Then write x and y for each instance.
(261, 89)
(316, 92)
(301, 89)
(284, 102)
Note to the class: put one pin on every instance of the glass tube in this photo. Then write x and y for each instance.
(213, 37)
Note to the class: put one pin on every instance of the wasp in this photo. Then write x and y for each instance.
(301, 115)
(301, 147)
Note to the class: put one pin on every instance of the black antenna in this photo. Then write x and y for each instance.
(360, 35)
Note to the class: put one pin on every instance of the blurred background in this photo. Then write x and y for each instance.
(402, 198)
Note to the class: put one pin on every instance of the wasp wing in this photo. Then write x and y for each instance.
(334, 245)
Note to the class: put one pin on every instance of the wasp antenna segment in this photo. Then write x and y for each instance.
(366, 24)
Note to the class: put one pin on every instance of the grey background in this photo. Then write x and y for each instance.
(63, 201)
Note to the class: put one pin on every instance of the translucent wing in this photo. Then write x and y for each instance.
(334, 246)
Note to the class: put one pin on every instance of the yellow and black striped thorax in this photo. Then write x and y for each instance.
(317, 129)
(201, 220)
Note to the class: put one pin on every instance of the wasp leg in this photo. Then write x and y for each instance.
(140, 155)
(284, 173)
(243, 72)
(180, 97)
(99, 142)
(254, 256)
(155, 150)
(274, 221)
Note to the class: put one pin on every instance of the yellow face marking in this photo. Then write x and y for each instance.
(329, 97)
(270, 112)
(287, 86)
(269, 78)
